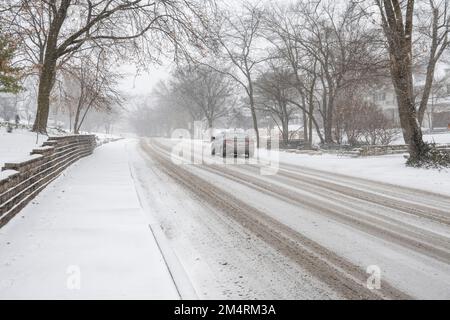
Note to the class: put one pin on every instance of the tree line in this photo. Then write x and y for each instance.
(319, 58)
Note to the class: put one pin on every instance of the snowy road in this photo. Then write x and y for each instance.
(300, 233)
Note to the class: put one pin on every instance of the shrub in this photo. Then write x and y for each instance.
(431, 158)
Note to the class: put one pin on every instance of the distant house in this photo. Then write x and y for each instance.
(438, 110)
(384, 97)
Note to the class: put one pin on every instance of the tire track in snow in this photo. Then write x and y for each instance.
(428, 244)
(428, 199)
(337, 272)
(383, 227)
(429, 212)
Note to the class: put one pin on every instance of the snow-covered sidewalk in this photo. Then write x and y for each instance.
(85, 236)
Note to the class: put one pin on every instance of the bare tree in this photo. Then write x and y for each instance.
(93, 86)
(282, 29)
(376, 128)
(349, 117)
(204, 91)
(167, 110)
(359, 121)
(109, 119)
(436, 29)
(438, 92)
(157, 114)
(52, 31)
(273, 91)
(235, 40)
(7, 108)
(28, 105)
(397, 21)
(329, 47)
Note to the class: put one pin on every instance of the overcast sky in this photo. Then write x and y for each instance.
(140, 83)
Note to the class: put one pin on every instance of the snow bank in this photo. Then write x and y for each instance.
(15, 146)
(435, 137)
(389, 169)
(18, 144)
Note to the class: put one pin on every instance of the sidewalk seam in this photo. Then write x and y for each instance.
(181, 281)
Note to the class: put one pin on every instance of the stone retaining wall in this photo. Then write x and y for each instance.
(21, 181)
(364, 151)
(390, 149)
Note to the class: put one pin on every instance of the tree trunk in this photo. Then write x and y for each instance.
(305, 127)
(83, 117)
(412, 133)
(328, 129)
(47, 75)
(253, 111)
(46, 80)
(285, 133)
(77, 116)
(210, 122)
(310, 126)
(426, 91)
(324, 114)
(432, 60)
(399, 37)
(75, 122)
(411, 129)
(312, 119)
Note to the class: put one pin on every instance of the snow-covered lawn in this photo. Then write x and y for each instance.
(84, 236)
(18, 144)
(390, 169)
(105, 136)
(437, 137)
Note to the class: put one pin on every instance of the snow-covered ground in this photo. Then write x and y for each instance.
(85, 236)
(103, 137)
(437, 137)
(116, 222)
(443, 137)
(390, 169)
(18, 144)
(206, 212)
(106, 136)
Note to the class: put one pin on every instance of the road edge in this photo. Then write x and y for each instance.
(180, 278)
